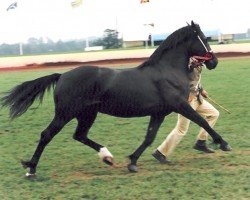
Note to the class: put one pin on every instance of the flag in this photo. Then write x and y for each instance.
(144, 1)
(76, 3)
(12, 6)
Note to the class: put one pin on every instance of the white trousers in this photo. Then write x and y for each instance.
(205, 109)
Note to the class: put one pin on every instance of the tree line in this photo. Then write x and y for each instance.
(33, 45)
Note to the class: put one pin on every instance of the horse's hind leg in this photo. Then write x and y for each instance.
(153, 127)
(46, 136)
(187, 111)
(85, 121)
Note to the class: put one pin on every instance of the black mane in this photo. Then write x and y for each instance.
(172, 41)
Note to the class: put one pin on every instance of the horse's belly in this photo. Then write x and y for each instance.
(129, 110)
(131, 99)
(122, 112)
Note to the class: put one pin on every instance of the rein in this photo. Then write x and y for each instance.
(206, 57)
(197, 61)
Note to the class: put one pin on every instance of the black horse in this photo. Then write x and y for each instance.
(155, 88)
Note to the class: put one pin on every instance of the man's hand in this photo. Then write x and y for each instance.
(193, 63)
(204, 93)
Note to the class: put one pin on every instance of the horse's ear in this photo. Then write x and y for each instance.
(192, 23)
(188, 24)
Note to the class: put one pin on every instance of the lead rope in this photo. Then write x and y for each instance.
(198, 61)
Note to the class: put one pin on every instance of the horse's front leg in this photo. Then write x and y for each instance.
(187, 111)
(154, 124)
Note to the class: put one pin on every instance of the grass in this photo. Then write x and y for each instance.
(70, 170)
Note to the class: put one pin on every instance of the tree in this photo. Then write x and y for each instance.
(110, 40)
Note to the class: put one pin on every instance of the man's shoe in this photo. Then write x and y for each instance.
(201, 145)
(160, 157)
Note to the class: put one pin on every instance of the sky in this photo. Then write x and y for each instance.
(56, 19)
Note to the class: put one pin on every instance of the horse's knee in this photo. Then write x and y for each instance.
(77, 138)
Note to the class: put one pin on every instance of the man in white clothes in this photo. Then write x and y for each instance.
(201, 106)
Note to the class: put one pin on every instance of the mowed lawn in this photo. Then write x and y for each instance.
(70, 170)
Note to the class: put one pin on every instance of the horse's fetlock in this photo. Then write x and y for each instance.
(28, 164)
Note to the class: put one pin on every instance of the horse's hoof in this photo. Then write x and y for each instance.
(108, 160)
(225, 147)
(29, 175)
(132, 168)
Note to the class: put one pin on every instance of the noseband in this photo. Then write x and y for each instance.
(206, 57)
(201, 59)
(198, 61)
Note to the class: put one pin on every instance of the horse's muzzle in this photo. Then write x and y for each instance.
(211, 63)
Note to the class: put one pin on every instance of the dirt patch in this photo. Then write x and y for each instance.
(232, 54)
(185, 164)
(104, 63)
(59, 65)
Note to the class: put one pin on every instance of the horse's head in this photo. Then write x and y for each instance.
(200, 48)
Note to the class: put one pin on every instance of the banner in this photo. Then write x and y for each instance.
(12, 6)
(76, 3)
(144, 1)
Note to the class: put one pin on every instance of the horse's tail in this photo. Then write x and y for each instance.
(21, 97)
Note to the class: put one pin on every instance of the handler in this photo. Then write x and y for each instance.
(202, 107)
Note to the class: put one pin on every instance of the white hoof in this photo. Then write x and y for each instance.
(29, 175)
(104, 152)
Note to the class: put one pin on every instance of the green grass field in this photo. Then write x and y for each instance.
(70, 170)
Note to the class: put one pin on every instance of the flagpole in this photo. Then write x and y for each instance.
(75, 4)
(12, 7)
(149, 26)
(87, 42)
(20, 48)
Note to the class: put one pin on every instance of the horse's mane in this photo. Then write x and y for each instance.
(172, 41)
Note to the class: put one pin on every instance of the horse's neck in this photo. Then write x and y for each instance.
(175, 58)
